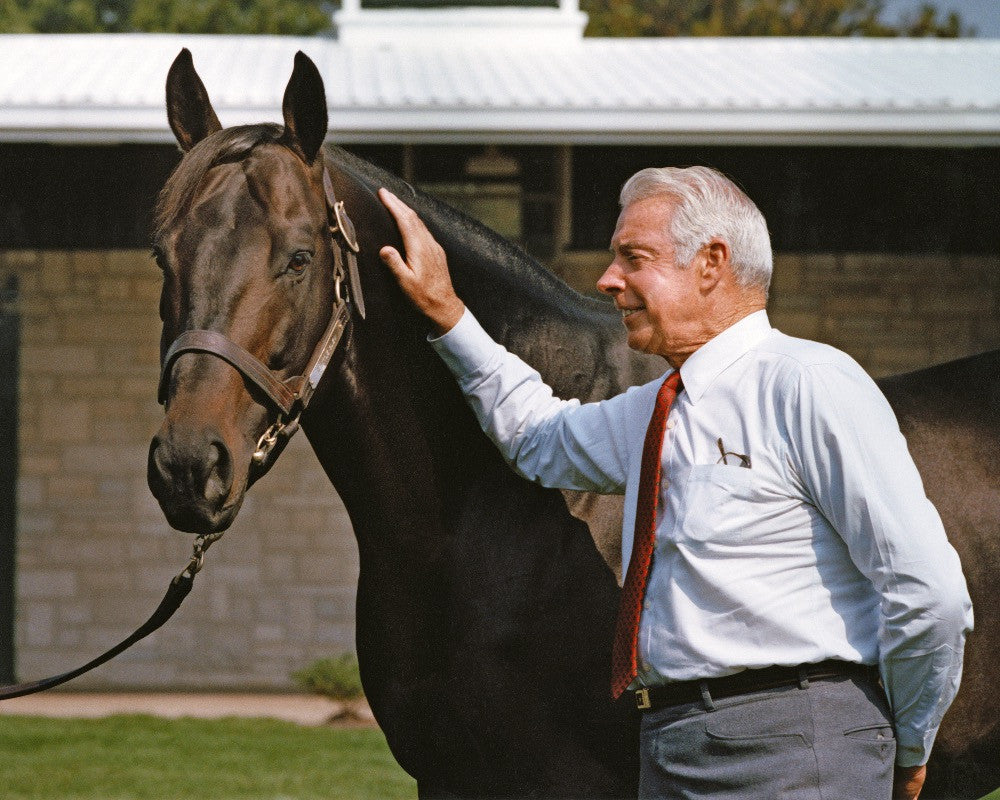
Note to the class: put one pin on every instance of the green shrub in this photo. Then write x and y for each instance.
(337, 678)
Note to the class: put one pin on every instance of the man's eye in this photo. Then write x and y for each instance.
(299, 261)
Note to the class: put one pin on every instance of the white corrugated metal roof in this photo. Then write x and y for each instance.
(83, 88)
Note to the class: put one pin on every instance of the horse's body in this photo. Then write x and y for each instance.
(485, 610)
(950, 415)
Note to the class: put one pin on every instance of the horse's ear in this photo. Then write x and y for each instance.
(189, 110)
(304, 108)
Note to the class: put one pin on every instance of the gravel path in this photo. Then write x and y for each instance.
(303, 709)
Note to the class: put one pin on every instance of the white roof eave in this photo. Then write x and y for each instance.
(97, 88)
(535, 126)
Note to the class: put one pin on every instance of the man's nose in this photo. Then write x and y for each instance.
(611, 281)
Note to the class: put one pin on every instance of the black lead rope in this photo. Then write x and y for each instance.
(178, 589)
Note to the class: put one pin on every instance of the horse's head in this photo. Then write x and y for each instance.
(250, 275)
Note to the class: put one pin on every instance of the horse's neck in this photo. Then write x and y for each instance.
(398, 436)
(444, 528)
(392, 432)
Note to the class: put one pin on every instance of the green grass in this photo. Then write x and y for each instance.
(140, 757)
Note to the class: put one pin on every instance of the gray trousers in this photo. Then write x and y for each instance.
(825, 739)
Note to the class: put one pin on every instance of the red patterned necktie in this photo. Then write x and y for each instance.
(623, 660)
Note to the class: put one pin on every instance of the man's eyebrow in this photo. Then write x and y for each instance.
(628, 248)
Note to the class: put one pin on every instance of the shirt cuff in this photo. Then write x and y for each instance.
(912, 747)
(466, 347)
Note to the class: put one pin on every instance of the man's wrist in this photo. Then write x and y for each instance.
(908, 782)
(447, 317)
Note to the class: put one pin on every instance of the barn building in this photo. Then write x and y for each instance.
(875, 162)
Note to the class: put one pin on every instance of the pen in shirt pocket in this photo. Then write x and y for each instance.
(728, 455)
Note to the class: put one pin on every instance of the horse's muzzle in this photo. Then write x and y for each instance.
(191, 475)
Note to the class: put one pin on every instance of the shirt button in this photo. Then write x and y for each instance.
(671, 423)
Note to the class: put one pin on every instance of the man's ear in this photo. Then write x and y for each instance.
(713, 261)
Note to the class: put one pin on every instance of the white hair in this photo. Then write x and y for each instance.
(708, 206)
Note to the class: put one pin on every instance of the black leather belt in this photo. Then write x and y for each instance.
(750, 680)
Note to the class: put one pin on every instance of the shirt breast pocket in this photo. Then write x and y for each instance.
(720, 504)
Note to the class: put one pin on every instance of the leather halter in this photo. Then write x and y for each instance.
(290, 396)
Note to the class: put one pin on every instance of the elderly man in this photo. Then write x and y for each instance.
(784, 564)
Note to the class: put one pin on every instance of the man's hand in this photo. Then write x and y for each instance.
(908, 782)
(424, 274)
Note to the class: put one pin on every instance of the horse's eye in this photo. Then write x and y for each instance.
(299, 261)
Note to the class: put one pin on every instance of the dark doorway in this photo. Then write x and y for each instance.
(9, 340)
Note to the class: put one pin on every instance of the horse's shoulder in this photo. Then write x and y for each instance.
(964, 390)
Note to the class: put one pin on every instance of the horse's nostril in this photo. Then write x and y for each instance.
(157, 472)
(218, 473)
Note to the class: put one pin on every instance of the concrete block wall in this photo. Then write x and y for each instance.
(892, 313)
(94, 552)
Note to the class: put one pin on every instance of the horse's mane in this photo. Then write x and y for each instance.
(500, 253)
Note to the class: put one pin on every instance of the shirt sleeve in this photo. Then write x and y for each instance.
(854, 463)
(558, 443)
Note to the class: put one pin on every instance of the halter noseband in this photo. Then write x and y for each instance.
(290, 396)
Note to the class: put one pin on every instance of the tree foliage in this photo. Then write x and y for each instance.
(760, 18)
(607, 17)
(296, 17)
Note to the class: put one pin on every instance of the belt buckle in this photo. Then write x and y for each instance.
(642, 701)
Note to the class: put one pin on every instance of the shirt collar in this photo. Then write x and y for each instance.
(717, 354)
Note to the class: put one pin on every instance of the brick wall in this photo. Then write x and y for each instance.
(94, 552)
(892, 313)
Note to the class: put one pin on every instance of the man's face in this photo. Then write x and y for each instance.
(660, 300)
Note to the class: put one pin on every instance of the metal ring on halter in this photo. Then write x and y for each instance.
(269, 438)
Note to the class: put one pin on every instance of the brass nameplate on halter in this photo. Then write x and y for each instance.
(336, 330)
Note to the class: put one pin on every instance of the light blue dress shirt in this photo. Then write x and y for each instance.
(825, 547)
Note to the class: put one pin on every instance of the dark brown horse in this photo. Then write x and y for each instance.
(485, 609)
